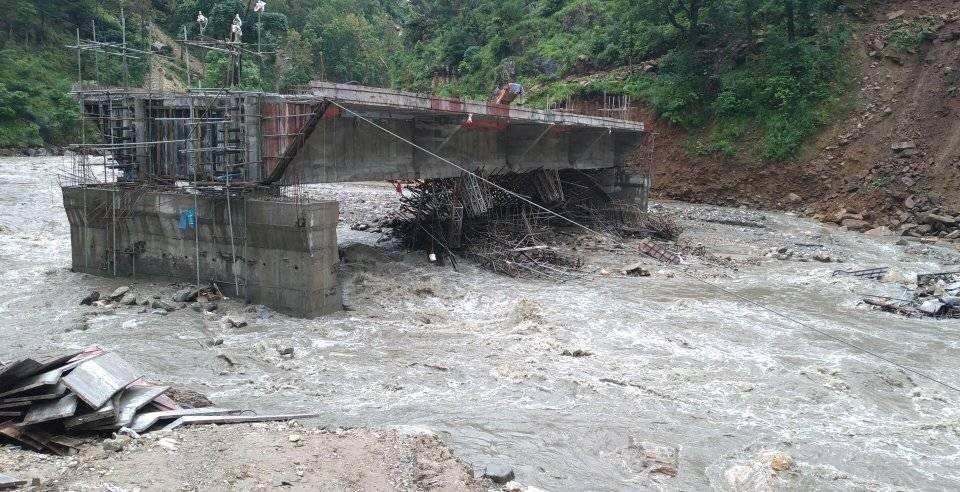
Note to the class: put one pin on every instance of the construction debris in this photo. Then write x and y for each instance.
(660, 252)
(49, 404)
(937, 295)
(516, 223)
(8, 482)
(871, 273)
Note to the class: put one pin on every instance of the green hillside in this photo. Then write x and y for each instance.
(755, 75)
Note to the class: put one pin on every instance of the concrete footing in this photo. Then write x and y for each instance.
(286, 252)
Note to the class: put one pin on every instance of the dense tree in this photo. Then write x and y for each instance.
(767, 68)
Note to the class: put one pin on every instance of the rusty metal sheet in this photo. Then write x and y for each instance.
(144, 421)
(51, 410)
(105, 413)
(132, 399)
(659, 252)
(234, 419)
(44, 437)
(10, 430)
(51, 362)
(15, 404)
(8, 482)
(48, 378)
(56, 391)
(872, 273)
(12, 373)
(96, 380)
(164, 402)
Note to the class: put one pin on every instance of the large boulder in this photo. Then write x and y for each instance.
(91, 297)
(188, 294)
(932, 218)
(119, 292)
(880, 231)
(855, 224)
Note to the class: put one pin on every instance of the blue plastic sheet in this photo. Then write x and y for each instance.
(188, 219)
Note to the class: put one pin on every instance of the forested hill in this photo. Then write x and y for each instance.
(767, 72)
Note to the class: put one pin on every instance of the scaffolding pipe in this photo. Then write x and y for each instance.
(233, 248)
(196, 215)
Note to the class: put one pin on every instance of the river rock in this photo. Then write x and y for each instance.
(647, 458)
(770, 470)
(901, 146)
(933, 307)
(234, 322)
(93, 296)
(946, 220)
(163, 305)
(285, 351)
(186, 295)
(116, 445)
(130, 301)
(118, 294)
(498, 473)
(880, 231)
(855, 224)
(160, 311)
(793, 198)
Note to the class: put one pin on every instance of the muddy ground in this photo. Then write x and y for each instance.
(249, 457)
(596, 382)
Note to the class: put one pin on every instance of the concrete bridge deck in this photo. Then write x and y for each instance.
(326, 136)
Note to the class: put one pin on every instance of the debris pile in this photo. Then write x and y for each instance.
(937, 295)
(519, 232)
(920, 218)
(52, 404)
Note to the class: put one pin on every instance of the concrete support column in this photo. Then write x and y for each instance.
(252, 129)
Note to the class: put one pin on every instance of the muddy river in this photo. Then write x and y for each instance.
(674, 365)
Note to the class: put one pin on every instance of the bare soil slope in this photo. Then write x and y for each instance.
(902, 139)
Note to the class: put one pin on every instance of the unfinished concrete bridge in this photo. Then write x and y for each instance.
(200, 176)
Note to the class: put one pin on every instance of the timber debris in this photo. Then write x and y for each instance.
(517, 224)
(52, 404)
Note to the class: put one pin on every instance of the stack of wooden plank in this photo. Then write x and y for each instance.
(50, 404)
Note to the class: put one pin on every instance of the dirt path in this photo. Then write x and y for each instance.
(250, 457)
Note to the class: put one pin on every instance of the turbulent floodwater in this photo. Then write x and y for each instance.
(477, 357)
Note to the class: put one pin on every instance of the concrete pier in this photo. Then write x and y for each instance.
(286, 252)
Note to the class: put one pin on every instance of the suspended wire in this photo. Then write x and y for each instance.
(686, 274)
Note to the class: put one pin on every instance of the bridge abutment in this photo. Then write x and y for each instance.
(283, 253)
